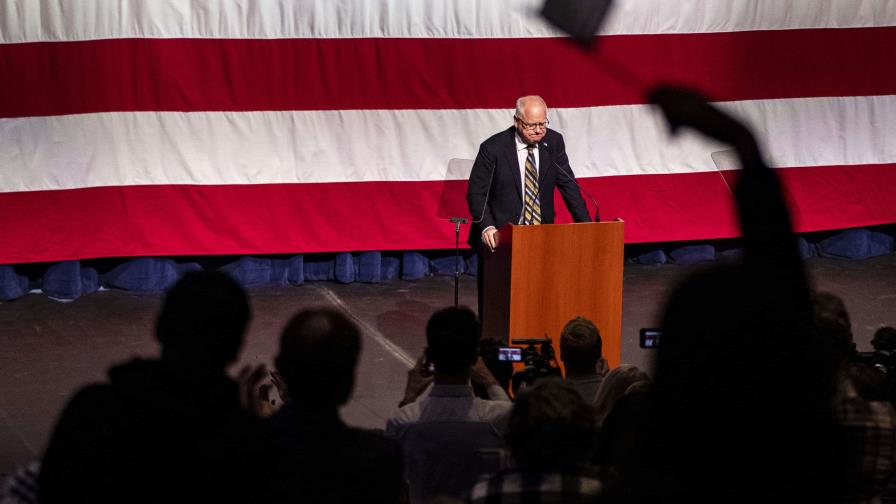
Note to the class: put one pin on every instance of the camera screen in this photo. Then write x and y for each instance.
(650, 338)
(510, 354)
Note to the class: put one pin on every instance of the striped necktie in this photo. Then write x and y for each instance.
(531, 206)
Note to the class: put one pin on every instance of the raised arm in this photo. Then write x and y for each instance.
(769, 245)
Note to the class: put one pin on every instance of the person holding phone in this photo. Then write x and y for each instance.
(449, 437)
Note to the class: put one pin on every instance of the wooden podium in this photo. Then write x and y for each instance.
(540, 277)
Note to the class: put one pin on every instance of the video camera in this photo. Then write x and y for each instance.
(880, 385)
(538, 361)
(881, 360)
(883, 357)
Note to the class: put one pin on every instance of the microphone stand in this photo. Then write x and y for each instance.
(457, 222)
(576, 182)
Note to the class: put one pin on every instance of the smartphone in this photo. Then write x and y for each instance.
(510, 354)
(428, 368)
(650, 338)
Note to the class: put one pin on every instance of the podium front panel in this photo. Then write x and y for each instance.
(542, 276)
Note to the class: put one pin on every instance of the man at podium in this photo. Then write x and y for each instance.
(513, 180)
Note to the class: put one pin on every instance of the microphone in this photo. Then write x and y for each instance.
(576, 182)
(487, 192)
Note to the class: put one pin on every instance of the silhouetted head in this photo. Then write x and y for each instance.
(319, 351)
(616, 385)
(833, 327)
(830, 306)
(884, 339)
(551, 427)
(741, 381)
(580, 346)
(729, 339)
(203, 319)
(452, 340)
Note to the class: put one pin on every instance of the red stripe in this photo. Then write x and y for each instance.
(305, 218)
(54, 78)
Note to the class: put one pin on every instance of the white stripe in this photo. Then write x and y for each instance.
(12, 426)
(59, 20)
(368, 330)
(137, 148)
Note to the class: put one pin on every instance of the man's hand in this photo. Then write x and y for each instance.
(278, 382)
(684, 107)
(251, 394)
(418, 381)
(265, 404)
(602, 367)
(480, 375)
(490, 238)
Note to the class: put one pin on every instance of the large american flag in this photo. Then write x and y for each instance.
(167, 127)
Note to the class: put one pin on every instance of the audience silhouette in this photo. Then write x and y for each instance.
(450, 437)
(580, 351)
(757, 396)
(551, 436)
(742, 386)
(127, 440)
(867, 423)
(623, 380)
(313, 456)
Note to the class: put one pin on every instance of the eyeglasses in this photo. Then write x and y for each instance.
(532, 126)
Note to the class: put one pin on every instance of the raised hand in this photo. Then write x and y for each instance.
(685, 107)
(419, 380)
(249, 380)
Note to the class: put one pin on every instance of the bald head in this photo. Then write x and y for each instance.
(530, 103)
(531, 118)
(319, 351)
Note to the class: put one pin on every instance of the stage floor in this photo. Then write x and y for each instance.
(50, 349)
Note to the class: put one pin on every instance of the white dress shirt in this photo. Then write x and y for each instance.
(521, 153)
(450, 439)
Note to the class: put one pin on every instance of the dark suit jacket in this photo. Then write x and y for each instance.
(315, 457)
(138, 439)
(494, 193)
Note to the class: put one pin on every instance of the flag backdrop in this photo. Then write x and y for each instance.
(169, 127)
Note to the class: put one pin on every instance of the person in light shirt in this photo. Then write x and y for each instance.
(449, 437)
